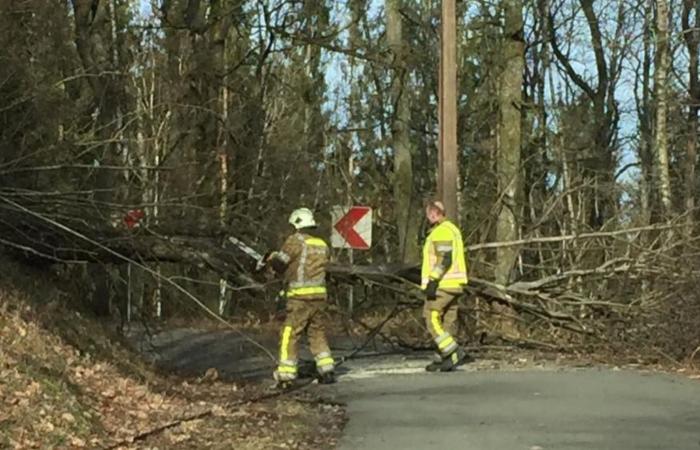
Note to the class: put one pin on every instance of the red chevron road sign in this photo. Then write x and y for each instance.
(352, 227)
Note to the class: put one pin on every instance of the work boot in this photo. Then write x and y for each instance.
(279, 386)
(326, 378)
(436, 365)
(455, 359)
(283, 381)
(465, 358)
(307, 369)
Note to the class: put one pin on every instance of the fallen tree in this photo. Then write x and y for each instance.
(634, 273)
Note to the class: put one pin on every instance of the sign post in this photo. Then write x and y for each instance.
(352, 229)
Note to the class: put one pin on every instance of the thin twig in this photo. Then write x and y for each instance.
(692, 357)
(571, 237)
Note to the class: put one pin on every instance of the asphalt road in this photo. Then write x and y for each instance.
(392, 403)
(533, 409)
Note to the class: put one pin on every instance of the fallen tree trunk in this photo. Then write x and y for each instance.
(575, 299)
(43, 237)
(403, 279)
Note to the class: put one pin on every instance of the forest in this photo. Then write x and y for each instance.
(136, 136)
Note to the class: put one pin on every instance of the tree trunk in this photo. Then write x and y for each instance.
(509, 142)
(646, 158)
(692, 40)
(404, 206)
(663, 182)
(93, 39)
(509, 147)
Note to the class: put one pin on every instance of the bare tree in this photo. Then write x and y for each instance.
(510, 138)
(404, 205)
(598, 161)
(645, 119)
(508, 166)
(691, 32)
(661, 66)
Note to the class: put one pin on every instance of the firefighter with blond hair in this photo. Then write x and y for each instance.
(443, 278)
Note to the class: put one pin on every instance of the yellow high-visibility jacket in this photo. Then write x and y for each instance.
(444, 258)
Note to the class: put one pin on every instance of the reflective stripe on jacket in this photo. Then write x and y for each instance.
(306, 257)
(444, 238)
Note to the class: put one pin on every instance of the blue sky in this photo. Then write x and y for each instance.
(338, 82)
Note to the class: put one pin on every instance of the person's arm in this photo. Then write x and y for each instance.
(443, 250)
(280, 259)
(442, 246)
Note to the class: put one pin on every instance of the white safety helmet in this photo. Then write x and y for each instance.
(302, 218)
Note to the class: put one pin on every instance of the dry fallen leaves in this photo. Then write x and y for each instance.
(210, 375)
(175, 438)
(41, 407)
(77, 442)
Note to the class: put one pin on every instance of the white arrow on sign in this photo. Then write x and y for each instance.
(352, 227)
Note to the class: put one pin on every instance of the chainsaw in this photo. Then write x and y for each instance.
(260, 264)
(260, 260)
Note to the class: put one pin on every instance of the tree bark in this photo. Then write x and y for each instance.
(509, 151)
(692, 40)
(509, 142)
(404, 205)
(644, 111)
(663, 180)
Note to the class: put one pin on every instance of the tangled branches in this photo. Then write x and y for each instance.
(625, 289)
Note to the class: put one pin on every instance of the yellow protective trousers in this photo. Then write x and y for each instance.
(310, 316)
(441, 318)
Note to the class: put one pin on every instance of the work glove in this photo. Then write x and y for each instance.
(277, 264)
(431, 290)
(281, 304)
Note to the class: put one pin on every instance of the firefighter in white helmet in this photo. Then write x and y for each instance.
(303, 259)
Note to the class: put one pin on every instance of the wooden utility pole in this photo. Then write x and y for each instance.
(447, 104)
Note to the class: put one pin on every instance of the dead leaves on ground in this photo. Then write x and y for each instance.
(53, 396)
